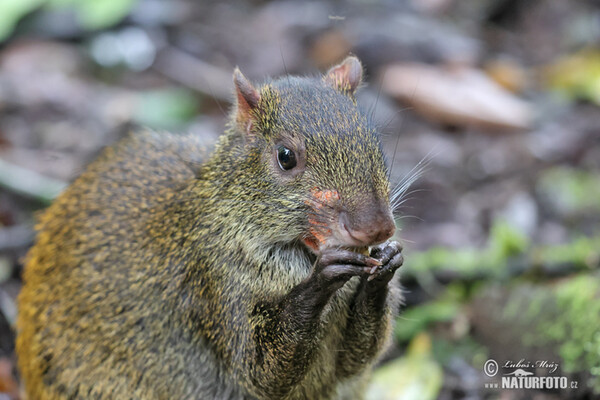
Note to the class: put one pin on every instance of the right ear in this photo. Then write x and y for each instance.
(345, 76)
(247, 98)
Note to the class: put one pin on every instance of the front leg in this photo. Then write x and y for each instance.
(371, 312)
(284, 332)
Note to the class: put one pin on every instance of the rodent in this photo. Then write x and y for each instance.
(165, 271)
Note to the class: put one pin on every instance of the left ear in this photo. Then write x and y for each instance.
(346, 76)
(247, 99)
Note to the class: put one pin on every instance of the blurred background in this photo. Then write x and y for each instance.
(494, 104)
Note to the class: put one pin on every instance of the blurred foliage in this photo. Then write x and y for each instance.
(96, 14)
(166, 108)
(506, 246)
(571, 190)
(11, 11)
(505, 242)
(28, 183)
(416, 319)
(566, 315)
(578, 299)
(583, 252)
(577, 76)
(416, 375)
(445, 351)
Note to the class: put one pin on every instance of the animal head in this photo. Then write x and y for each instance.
(313, 160)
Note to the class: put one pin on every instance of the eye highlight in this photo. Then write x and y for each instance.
(286, 158)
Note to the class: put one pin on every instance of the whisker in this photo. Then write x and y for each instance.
(409, 217)
(283, 62)
(408, 241)
(411, 176)
(403, 199)
(395, 206)
(374, 106)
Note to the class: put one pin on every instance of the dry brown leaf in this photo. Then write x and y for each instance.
(507, 73)
(329, 48)
(457, 96)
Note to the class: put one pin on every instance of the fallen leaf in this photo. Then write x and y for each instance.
(459, 96)
(415, 376)
(507, 73)
(576, 76)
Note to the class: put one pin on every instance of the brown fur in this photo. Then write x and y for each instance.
(160, 274)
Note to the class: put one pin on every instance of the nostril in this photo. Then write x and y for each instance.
(344, 221)
(351, 235)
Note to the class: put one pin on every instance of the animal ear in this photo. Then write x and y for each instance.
(247, 99)
(346, 76)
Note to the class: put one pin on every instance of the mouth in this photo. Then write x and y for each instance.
(312, 243)
(364, 250)
(316, 246)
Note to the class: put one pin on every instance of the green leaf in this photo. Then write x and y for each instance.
(417, 319)
(415, 376)
(164, 109)
(11, 11)
(506, 241)
(98, 14)
(577, 76)
(571, 190)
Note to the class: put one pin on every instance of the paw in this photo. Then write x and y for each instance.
(389, 254)
(336, 266)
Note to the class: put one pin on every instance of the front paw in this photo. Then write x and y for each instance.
(389, 254)
(336, 266)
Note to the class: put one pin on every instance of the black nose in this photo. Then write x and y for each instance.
(368, 228)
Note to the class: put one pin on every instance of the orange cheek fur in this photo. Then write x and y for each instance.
(317, 230)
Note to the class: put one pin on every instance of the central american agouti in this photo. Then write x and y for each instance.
(168, 272)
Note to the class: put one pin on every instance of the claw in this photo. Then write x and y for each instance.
(390, 256)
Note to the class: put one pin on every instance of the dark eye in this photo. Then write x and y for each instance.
(286, 158)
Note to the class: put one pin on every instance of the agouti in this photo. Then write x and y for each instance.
(166, 272)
